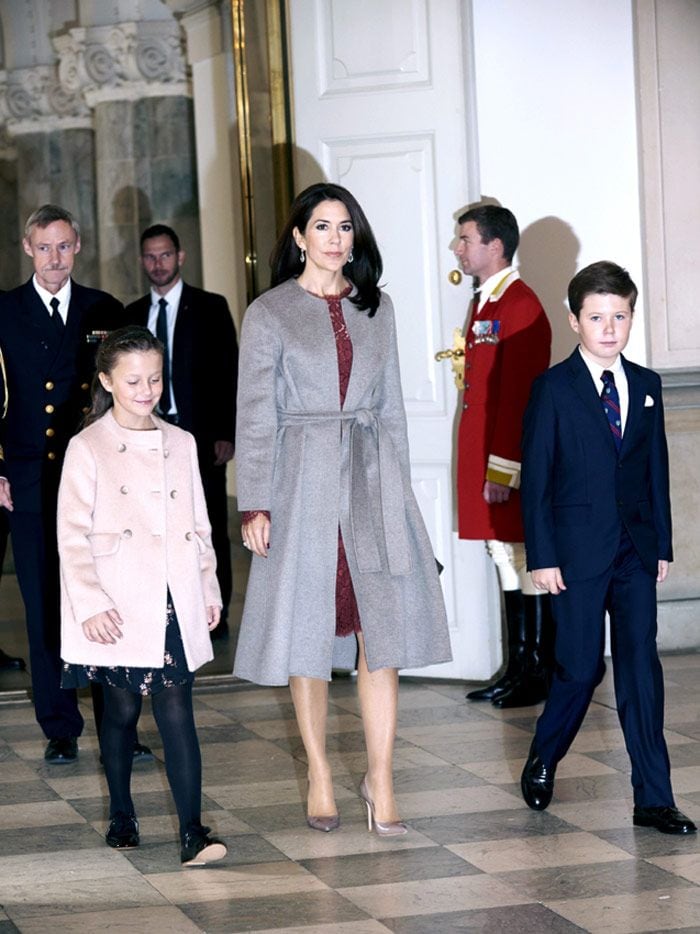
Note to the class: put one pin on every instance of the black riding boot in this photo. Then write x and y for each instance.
(517, 645)
(533, 687)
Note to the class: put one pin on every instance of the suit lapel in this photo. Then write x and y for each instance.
(636, 403)
(585, 388)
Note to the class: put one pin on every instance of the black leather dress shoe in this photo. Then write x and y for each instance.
(123, 832)
(665, 819)
(10, 663)
(537, 782)
(199, 848)
(62, 750)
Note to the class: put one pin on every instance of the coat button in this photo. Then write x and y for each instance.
(127, 533)
(173, 494)
(124, 489)
(85, 409)
(466, 385)
(50, 432)
(49, 409)
(121, 448)
(466, 406)
(85, 386)
(51, 456)
(188, 536)
(166, 453)
(48, 386)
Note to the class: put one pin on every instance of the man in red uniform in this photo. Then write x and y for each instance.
(507, 344)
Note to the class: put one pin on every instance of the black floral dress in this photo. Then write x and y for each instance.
(142, 681)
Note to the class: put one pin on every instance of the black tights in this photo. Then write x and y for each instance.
(172, 709)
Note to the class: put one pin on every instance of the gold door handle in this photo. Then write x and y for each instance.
(456, 355)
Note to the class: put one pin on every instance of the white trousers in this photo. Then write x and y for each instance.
(511, 564)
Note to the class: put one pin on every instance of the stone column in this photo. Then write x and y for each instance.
(10, 275)
(132, 76)
(52, 140)
(208, 28)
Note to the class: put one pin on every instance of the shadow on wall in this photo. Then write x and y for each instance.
(547, 260)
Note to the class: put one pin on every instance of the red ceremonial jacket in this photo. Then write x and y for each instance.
(508, 344)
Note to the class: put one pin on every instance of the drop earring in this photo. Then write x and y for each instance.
(350, 257)
(302, 254)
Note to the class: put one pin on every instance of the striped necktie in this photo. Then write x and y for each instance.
(611, 404)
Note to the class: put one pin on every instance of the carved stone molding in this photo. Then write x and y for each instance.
(32, 100)
(126, 61)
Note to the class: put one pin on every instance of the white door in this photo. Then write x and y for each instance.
(382, 105)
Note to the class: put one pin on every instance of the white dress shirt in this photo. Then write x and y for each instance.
(173, 303)
(63, 296)
(618, 372)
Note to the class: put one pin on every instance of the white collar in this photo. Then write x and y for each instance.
(172, 297)
(63, 294)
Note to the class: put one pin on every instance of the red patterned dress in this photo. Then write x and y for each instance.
(347, 616)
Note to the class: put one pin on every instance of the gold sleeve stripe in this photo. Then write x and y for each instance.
(503, 471)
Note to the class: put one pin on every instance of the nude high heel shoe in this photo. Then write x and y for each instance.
(389, 828)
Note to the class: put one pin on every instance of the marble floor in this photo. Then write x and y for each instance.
(476, 859)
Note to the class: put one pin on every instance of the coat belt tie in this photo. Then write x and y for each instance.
(376, 488)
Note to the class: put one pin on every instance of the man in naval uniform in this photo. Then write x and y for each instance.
(50, 328)
(507, 344)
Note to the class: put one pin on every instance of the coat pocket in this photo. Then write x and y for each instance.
(104, 543)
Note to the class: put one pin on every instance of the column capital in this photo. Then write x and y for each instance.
(125, 61)
(32, 100)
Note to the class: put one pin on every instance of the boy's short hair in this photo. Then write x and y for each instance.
(494, 222)
(602, 278)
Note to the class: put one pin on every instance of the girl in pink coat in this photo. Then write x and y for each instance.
(138, 584)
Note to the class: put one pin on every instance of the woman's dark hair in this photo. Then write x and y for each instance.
(366, 268)
(132, 339)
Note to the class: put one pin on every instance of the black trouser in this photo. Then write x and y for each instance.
(36, 563)
(214, 483)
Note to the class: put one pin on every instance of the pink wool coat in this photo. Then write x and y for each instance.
(132, 522)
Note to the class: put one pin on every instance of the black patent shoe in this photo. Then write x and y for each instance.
(61, 750)
(199, 848)
(665, 819)
(491, 691)
(11, 662)
(142, 753)
(123, 832)
(537, 782)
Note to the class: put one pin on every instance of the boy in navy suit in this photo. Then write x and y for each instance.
(597, 516)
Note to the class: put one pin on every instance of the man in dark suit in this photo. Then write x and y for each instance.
(49, 330)
(199, 376)
(597, 515)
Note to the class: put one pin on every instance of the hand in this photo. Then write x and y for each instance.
(104, 627)
(213, 616)
(548, 579)
(496, 492)
(223, 452)
(5, 494)
(256, 535)
(662, 573)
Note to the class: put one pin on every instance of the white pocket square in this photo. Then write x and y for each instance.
(648, 401)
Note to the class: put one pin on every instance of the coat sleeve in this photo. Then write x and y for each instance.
(76, 501)
(202, 527)
(536, 490)
(391, 409)
(660, 484)
(525, 353)
(256, 431)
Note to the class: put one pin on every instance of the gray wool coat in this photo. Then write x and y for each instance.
(314, 467)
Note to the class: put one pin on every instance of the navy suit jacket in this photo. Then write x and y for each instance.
(45, 385)
(577, 492)
(204, 366)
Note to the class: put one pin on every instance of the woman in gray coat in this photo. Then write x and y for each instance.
(343, 573)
